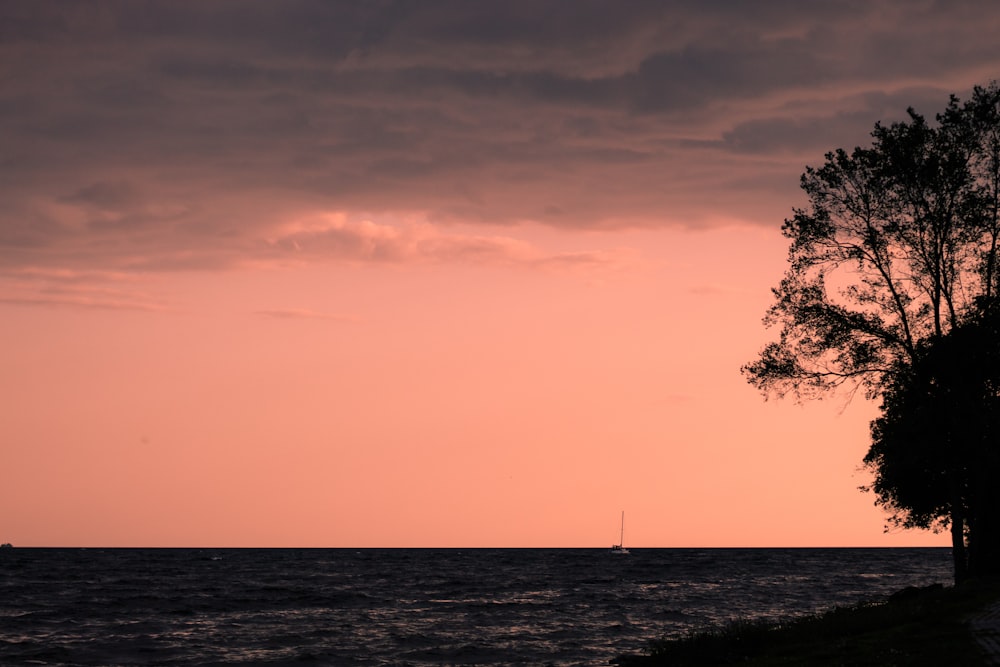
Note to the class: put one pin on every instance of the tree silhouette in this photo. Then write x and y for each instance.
(934, 453)
(896, 250)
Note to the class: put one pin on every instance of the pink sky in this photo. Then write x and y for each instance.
(459, 274)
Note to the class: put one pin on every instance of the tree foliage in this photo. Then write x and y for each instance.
(893, 260)
(898, 242)
(934, 454)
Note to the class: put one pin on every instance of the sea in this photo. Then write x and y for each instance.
(419, 607)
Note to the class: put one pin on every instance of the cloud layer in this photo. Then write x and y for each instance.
(161, 135)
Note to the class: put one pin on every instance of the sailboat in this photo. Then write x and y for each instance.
(620, 547)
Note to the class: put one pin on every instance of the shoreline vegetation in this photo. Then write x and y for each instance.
(915, 626)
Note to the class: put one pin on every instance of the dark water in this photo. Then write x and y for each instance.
(411, 606)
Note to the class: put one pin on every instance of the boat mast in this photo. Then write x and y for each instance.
(621, 538)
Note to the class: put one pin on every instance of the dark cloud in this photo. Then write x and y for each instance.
(155, 134)
(846, 122)
(694, 77)
(104, 195)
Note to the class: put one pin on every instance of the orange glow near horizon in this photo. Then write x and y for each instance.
(431, 405)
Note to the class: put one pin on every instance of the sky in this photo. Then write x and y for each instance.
(431, 274)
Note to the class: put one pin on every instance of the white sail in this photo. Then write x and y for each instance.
(620, 547)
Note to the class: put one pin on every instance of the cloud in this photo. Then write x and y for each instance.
(334, 235)
(101, 290)
(158, 135)
(809, 129)
(81, 300)
(303, 314)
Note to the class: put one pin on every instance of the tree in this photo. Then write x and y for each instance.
(933, 454)
(896, 249)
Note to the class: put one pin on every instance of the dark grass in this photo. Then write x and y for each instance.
(921, 627)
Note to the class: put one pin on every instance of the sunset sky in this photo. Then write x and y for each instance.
(449, 274)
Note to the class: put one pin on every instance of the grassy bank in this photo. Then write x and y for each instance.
(914, 627)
